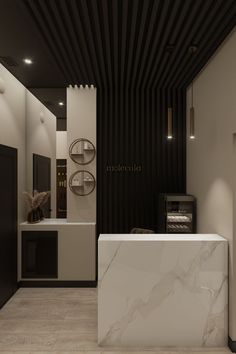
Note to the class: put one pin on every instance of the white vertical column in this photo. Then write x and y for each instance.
(81, 123)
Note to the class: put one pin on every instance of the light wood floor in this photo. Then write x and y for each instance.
(58, 320)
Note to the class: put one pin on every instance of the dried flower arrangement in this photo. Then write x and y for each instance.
(35, 201)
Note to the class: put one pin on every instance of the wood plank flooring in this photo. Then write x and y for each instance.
(60, 321)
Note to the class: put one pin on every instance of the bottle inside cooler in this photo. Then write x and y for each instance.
(177, 213)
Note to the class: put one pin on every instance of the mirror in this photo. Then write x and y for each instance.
(46, 153)
(42, 179)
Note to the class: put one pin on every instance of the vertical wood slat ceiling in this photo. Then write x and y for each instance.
(137, 54)
(132, 43)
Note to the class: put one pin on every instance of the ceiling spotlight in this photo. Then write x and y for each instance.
(61, 103)
(28, 61)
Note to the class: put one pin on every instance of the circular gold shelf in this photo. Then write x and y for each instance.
(82, 151)
(82, 183)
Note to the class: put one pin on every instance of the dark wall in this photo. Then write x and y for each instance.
(135, 160)
(61, 124)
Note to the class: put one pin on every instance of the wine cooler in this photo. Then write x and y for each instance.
(61, 188)
(177, 213)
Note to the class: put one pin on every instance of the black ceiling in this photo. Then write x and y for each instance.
(111, 43)
(51, 98)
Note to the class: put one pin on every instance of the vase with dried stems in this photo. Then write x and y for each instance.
(35, 201)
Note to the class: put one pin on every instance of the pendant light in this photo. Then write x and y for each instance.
(169, 123)
(192, 118)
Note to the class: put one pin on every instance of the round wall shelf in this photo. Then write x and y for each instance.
(82, 151)
(82, 183)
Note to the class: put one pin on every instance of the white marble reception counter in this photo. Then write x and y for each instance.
(162, 290)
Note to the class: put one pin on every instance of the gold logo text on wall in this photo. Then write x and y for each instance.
(124, 168)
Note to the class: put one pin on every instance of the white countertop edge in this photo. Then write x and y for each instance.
(47, 222)
(161, 237)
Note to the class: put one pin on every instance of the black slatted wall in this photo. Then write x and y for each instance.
(131, 132)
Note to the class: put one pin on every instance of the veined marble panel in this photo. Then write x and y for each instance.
(162, 291)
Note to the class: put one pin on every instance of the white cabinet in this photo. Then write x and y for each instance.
(76, 249)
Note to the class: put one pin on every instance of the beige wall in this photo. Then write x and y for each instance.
(20, 128)
(211, 157)
(12, 130)
(61, 149)
(81, 123)
(12, 126)
(41, 140)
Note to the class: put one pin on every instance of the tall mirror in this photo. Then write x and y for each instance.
(46, 154)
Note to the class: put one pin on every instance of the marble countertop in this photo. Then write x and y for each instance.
(55, 222)
(161, 237)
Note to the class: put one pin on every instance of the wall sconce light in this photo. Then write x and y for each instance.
(169, 123)
(192, 118)
(2, 86)
(41, 117)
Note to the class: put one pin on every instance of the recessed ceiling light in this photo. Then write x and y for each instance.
(61, 103)
(28, 61)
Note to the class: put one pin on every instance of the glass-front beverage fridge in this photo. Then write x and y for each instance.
(177, 214)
